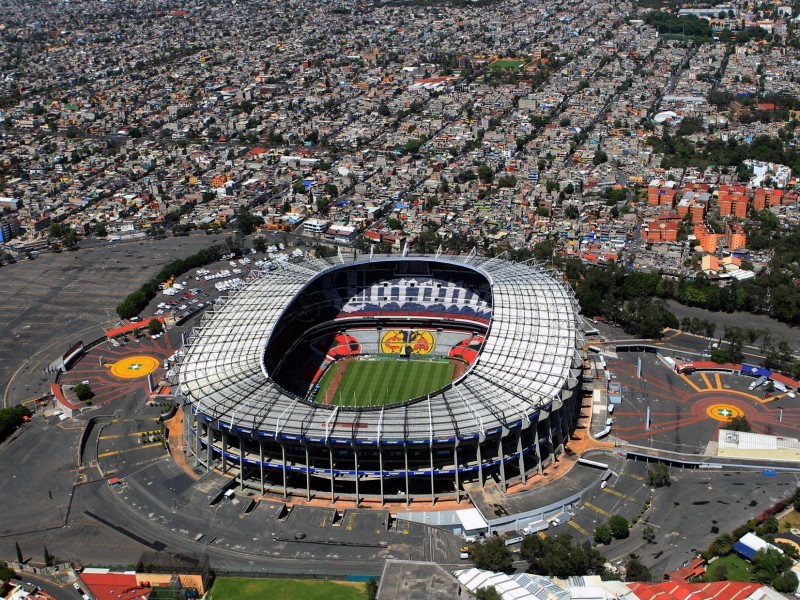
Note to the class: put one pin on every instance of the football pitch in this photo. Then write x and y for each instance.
(384, 381)
(507, 63)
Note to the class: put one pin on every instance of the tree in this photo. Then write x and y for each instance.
(155, 327)
(600, 157)
(492, 555)
(6, 573)
(722, 545)
(57, 230)
(48, 558)
(507, 181)
(649, 534)
(83, 392)
(636, 571)
(770, 525)
(11, 418)
(768, 563)
(619, 527)
(19, 552)
(797, 499)
(738, 423)
(413, 146)
(786, 582)
(487, 593)
(394, 224)
(602, 534)
(246, 221)
(658, 476)
(557, 556)
(100, 229)
(324, 251)
(485, 173)
(372, 588)
(70, 239)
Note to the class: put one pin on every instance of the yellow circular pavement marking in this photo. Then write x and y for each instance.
(724, 412)
(134, 367)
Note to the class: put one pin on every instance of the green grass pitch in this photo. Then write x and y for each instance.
(507, 63)
(386, 381)
(228, 588)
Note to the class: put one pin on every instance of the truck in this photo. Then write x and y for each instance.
(758, 382)
(535, 527)
(511, 537)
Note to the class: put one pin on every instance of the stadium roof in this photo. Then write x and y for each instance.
(529, 355)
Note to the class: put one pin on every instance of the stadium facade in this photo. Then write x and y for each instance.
(249, 376)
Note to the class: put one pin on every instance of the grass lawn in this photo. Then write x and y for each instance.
(231, 588)
(506, 63)
(738, 569)
(792, 519)
(386, 381)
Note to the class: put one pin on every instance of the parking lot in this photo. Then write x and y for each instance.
(624, 494)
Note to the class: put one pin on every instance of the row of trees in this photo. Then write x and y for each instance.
(556, 556)
(614, 292)
(138, 300)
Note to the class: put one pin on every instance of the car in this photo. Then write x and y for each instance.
(464, 554)
(77, 586)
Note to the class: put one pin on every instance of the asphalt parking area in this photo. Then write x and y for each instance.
(625, 494)
(129, 443)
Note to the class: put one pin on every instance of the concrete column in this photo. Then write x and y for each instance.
(224, 450)
(458, 483)
(197, 434)
(261, 463)
(480, 466)
(355, 462)
(433, 489)
(523, 478)
(308, 476)
(241, 462)
(208, 447)
(330, 455)
(405, 456)
(538, 451)
(380, 466)
(501, 455)
(283, 459)
(550, 438)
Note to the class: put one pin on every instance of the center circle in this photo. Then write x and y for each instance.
(134, 367)
(724, 412)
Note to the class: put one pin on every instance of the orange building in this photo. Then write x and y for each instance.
(767, 198)
(658, 195)
(662, 229)
(706, 238)
(735, 236)
(697, 208)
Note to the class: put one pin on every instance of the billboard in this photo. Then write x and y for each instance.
(753, 371)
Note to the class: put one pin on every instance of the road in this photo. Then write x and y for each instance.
(695, 508)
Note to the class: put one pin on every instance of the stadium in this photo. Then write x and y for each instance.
(389, 378)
